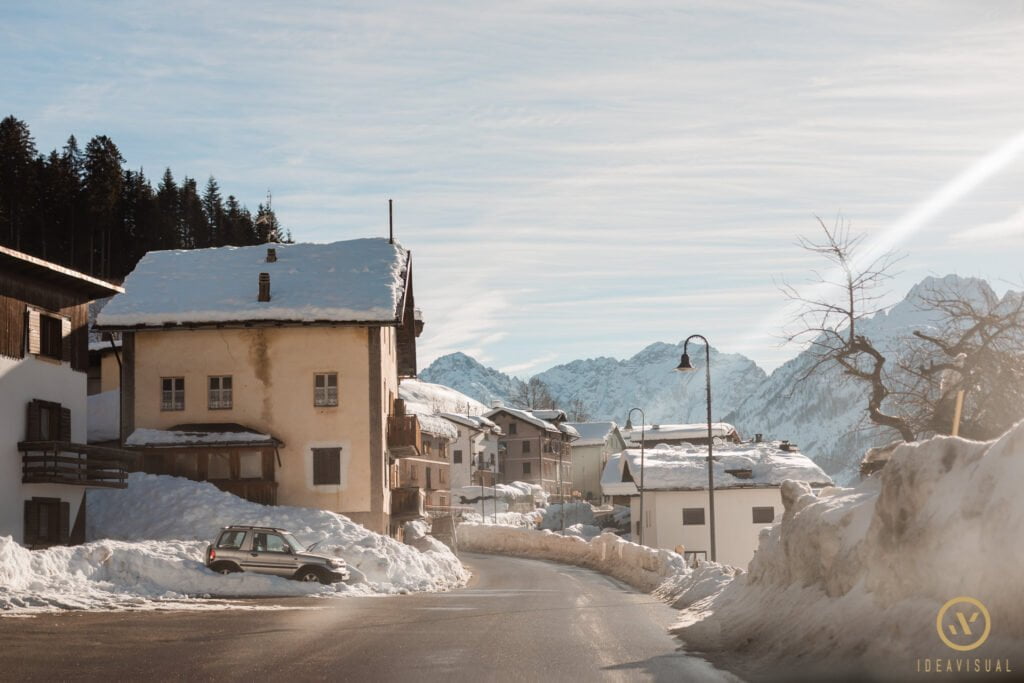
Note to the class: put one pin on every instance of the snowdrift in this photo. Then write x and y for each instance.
(852, 580)
(641, 567)
(154, 534)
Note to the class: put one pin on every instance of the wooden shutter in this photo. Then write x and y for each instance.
(65, 424)
(65, 523)
(34, 344)
(31, 526)
(65, 339)
(32, 427)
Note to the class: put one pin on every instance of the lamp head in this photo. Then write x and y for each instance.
(684, 364)
(629, 424)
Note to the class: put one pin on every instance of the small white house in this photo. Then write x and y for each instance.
(475, 450)
(748, 480)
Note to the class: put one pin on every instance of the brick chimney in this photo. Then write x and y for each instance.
(271, 255)
(264, 287)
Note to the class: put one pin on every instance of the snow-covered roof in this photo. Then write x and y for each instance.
(477, 422)
(550, 414)
(437, 426)
(359, 280)
(226, 434)
(531, 417)
(592, 433)
(677, 432)
(679, 468)
(424, 398)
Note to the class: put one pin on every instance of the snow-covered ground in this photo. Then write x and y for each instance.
(154, 534)
(852, 580)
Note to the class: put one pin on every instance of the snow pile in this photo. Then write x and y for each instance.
(157, 507)
(855, 578)
(485, 499)
(118, 575)
(525, 520)
(642, 567)
(104, 416)
(355, 280)
(558, 516)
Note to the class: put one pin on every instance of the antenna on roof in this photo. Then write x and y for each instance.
(391, 223)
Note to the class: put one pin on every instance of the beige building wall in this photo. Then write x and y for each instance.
(272, 370)
(110, 372)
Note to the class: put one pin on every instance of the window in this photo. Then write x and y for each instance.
(250, 465)
(50, 342)
(440, 475)
(457, 456)
(764, 515)
(48, 421)
(326, 466)
(172, 393)
(218, 466)
(693, 515)
(526, 468)
(46, 522)
(220, 393)
(526, 447)
(325, 389)
(511, 428)
(231, 539)
(269, 543)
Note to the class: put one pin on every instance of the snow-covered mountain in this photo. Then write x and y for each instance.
(824, 414)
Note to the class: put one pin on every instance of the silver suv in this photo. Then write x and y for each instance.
(266, 550)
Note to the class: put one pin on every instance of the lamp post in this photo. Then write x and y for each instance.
(686, 366)
(643, 427)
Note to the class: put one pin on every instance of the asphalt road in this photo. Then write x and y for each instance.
(523, 620)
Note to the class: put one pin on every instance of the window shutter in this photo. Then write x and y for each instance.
(31, 523)
(65, 424)
(65, 339)
(65, 522)
(32, 422)
(34, 344)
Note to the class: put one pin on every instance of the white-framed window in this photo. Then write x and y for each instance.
(219, 394)
(325, 389)
(172, 393)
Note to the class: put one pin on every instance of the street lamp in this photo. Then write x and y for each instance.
(686, 366)
(643, 426)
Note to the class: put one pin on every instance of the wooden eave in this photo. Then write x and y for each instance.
(12, 261)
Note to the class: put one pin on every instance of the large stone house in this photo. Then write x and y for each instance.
(46, 467)
(598, 441)
(536, 448)
(272, 371)
(748, 498)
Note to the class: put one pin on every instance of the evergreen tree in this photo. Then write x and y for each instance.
(213, 209)
(195, 232)
(103, 184)
(17, 154)
(168, 223)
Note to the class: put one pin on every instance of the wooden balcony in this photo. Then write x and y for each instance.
(407, 503)
(404, 436)
(254, 490)
(64, 462)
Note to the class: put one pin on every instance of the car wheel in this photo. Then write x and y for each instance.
(310, 576)
(225, 568)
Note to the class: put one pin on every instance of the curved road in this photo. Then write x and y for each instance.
(524, 620)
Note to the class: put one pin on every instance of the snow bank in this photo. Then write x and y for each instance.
(854, 578)
(641, 567)
(104, 416)
(156, 507)
(574, 513)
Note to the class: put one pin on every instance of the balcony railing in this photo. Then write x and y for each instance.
(256, 490)
(64, 462)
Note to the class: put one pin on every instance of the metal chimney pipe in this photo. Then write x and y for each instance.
(264, 294)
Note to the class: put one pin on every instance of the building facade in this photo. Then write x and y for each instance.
(271, 371)
(536, 448)
(598, 441)
(46, 466)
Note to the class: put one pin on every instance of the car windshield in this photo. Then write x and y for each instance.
(290, 540)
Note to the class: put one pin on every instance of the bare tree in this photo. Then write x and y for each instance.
(828, 313)
(578, 411)
(532, 395)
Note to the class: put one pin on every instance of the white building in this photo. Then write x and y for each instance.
(45, 464)
(474, 451)
(598, 441)
(748, 477)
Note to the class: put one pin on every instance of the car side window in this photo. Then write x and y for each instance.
(276, 544)
(231, 540)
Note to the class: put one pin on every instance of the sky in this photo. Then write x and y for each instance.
(574, 179)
